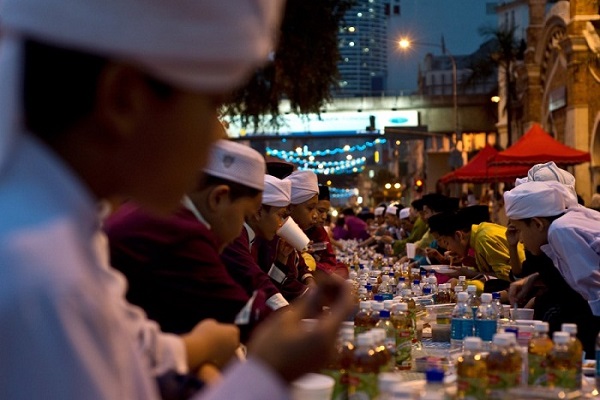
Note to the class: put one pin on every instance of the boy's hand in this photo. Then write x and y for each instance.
(211, 342)
(283, 343)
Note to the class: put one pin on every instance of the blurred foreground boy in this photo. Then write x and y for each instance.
(103, 99)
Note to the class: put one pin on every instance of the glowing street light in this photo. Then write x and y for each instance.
(405, 43)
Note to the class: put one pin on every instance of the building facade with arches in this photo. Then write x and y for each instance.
(558, 83)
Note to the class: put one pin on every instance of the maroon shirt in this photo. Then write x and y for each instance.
(326, 259)
(243, 267)
(174, 270)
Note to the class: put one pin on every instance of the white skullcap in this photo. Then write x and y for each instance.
(392, 210)
(538, 199)
(208, 45)
(277, 192)
(405, 213)
(549, 172)
(305, 186)
(237, 163)
(379, 211)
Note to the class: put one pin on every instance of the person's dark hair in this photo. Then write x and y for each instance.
(324, 193)
(60, 86)
(580, 200)
(236, 190)
(447, 223)
(340, 221)
(365, 216)
(348, 211)
(417, 204)
(279, 169)
(440, 203)
(474, 215)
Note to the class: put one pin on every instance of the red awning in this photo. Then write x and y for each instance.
(535, 147)
(478, 171)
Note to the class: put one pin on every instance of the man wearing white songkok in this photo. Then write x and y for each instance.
(549, 172)
(547, 220)
(241, 256)
(111, 99)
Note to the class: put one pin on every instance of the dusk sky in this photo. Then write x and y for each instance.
(425, 21)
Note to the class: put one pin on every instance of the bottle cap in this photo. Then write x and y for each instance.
(561, 337)
(401, 307)
(384, 314)
(495, 295)
(540, 326)
(434, 375)
(365, 304)
(486, 297)
(364, 339)
(570, 328)
(377, 306)
(471, 289)
(378, 297)
(378, 335)
(502, 339)
(416, 282)
(385, 278)
(387, 304)
(472, 343)
(462, 296)
(426, 290)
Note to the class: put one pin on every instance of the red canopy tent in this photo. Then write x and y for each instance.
(478, 171)
(537, 146)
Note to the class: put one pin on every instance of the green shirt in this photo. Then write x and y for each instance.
(488, 241)
(417, 232)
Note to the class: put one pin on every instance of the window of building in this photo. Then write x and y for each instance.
(397, 10)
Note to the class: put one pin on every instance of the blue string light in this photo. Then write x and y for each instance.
(334, 171)
(304, 152)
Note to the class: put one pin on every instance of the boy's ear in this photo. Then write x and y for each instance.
(218, 197)
(121, 100)
(539, 224)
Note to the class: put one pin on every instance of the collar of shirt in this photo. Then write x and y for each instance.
(251, 234)
(187, 203)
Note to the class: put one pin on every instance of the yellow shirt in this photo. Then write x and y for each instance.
(488, 241)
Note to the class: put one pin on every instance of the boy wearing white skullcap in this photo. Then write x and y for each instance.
(183, 291)
(241, 256)
(288, 269)
(111, 99)
(548, 220)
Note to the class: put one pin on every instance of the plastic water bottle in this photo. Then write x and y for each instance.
(461, 325)
(401, 286)
(416, 287)
(486, 323)
(503, 366)
(471, 372)
(576, 349)
(497, 305)
(389, 339)
(404, 329)
(384, 288)
(474, 300)
(562, 368)
(539, 348)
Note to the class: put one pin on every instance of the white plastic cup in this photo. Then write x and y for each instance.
(291, 233)
(521, 313)
(411, 250)
(313, 387)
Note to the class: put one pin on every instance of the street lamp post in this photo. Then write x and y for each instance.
(405, 44)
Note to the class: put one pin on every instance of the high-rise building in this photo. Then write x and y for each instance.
(363, 50)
